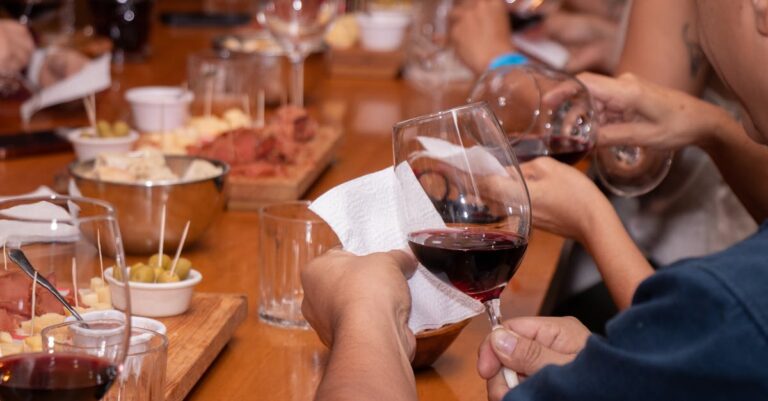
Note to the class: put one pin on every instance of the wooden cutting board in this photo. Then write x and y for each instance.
(196, 338)
(252, 193)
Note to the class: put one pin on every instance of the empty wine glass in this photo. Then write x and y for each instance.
(543, 112)
(299, 26)
(631, 170)
(478, 200)
(429, 36)
(61, 244)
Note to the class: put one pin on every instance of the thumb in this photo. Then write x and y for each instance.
(522, 354)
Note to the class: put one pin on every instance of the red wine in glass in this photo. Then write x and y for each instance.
(564, 149)
(479, 262)
(55, 377)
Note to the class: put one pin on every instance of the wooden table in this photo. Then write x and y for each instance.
(262, 362)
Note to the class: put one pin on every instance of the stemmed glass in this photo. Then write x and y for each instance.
(464, 164)
(299, 26)
(548, 113)
(58, 245)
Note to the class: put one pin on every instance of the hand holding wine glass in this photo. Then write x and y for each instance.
(454, 154)
(298, 26)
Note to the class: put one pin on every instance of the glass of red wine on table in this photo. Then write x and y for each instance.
(464, 164)
(65, 244)
(549, 113)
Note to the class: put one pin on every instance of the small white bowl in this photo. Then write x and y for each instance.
(86, 336)
(382, 30)
(155, 299)
(87, 148)
(159, 108)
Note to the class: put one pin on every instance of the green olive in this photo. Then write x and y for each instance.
(104, 129)
(166, 277)
(120, 128)
(142, 274)
(183, 266)
(157, 272)
(117, 274)
(166, 261)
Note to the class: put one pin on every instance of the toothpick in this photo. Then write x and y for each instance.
(260, 109)
(101, 260)
(5, 257)
(34, 301)
(162, 239)
(178, 250)
(74, 281)
(90, 110)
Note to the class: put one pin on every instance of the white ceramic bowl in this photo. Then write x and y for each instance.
(382, 30)
(88, 148)
(159, 108)
(155, 299)
(86, 336)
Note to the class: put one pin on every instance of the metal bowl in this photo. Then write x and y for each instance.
(139, 206)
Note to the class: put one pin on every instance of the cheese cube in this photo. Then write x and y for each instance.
(104, 295)
(102, 306)
(5, 337)
(11, 348)
(33, 344)
(48, 319)
(90, 299)
(97, 283)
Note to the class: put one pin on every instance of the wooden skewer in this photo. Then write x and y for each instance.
(162, 238)
(74, 281)
(101, 260)
(260, 100)
(178, 250)
(34, 301)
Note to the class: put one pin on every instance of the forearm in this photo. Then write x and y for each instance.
(737, 156)
(368, 361)
(621, 264)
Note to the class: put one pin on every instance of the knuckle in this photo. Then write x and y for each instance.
(530, 356)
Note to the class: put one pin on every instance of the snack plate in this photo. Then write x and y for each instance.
(196, 337)
(252, 193)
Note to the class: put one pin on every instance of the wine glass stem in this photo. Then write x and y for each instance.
(297, 81)
(493, 307)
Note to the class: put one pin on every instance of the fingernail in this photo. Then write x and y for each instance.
(504, 341)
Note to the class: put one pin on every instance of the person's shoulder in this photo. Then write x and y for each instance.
(732, 280)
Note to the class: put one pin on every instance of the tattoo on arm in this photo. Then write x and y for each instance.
(696, 56)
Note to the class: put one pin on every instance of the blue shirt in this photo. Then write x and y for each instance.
(695, 331)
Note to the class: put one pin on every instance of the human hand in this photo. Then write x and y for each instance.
(60, 64)
(344, 290)
(16, 46)
(638, 113)
(590, 40)
(480, 32)
(526, 345)
(563, 200)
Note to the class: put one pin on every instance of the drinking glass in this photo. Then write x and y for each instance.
(291, 236)
(548, 113)
(429, 36)
(62, 244)
(464, 164)
(299, 26)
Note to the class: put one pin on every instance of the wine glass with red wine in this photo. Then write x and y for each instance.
(542, 111)
(464, 164)
(548, 113)
(63, 244)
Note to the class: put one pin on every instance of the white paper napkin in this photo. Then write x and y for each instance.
(366, 214)
(26, 232)
(94, 77)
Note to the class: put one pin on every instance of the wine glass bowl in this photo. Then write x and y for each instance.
(543, 112)
(298, 26)
(464, 165)
(66, 241)
(631, 171)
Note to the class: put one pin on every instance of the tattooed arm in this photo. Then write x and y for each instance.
(662, 45)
